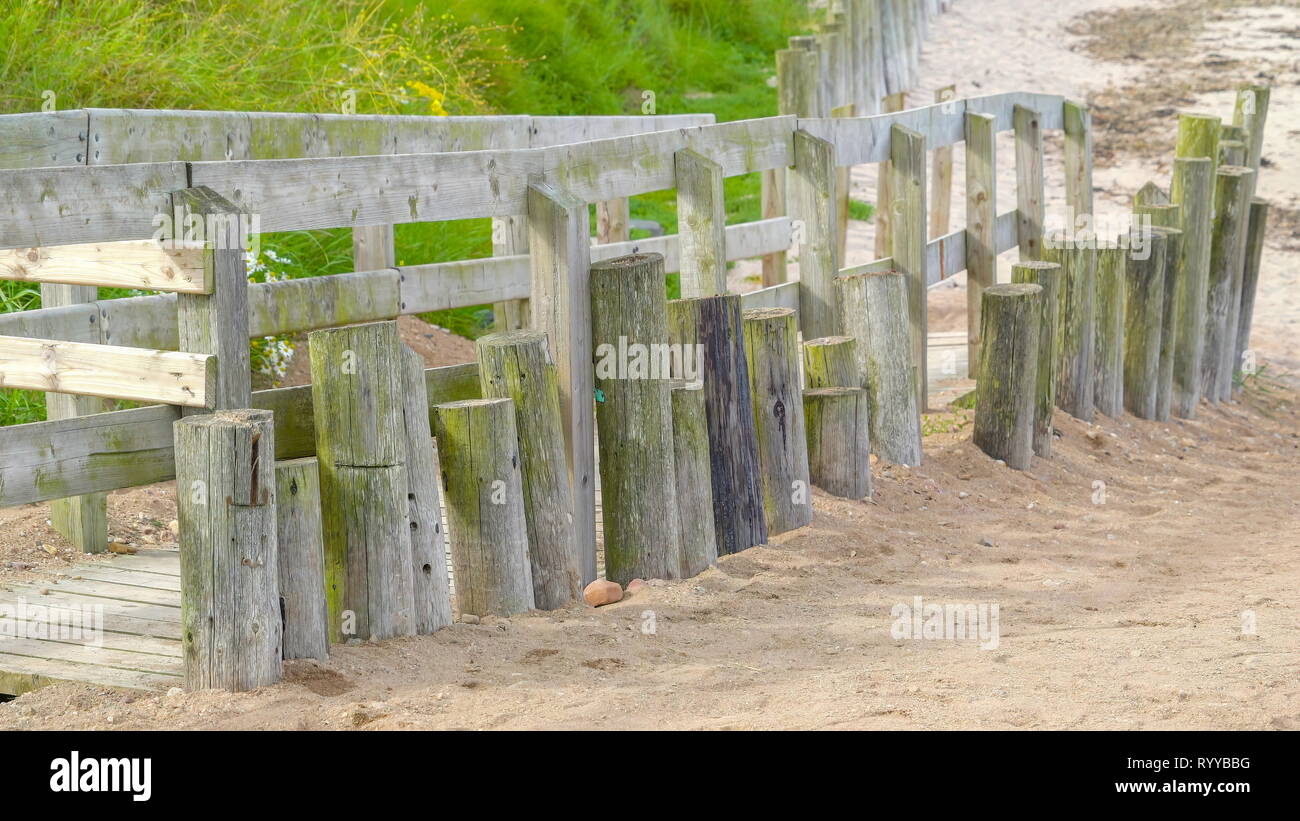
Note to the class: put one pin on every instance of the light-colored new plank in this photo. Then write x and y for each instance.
(146, 265)
(110, 371)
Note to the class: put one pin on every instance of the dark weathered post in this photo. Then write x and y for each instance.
(1108, 330)
(1228, 234)
(301, 559)
(1144, 324)
(1250, 278)
(839, 442)
(1008, 373)
(1165, 219)
(1047, 276)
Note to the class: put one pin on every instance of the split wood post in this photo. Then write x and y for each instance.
(1047, 276)
(941, 179)
(843, 180)
(1078, 164)
(1030, 198)
(478, 451)
(839, 442)
(1227, 247)
(518, 366)
(1108, 329)
(230, 599)
(1008, 375)
(701, 225)
(431, 591)
(694, 478)
(831, 362)
(638, 485)
(1165, 219)
(510, 237)
(1193, 191)
(796, 75)
(560, 258)
(981, 223)
(358, 397)
(714, 324)
(1144, 323)
(772, 350)
(1077, 257)
(301, 559)
(873, 310)
(907, 153)
(812, 191)
(885, 188)
(1249, 284)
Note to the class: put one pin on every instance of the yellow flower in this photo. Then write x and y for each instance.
(433, 95)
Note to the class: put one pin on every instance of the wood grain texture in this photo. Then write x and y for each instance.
(1047, 276)
(1030, 196)
(981, 223)
(907, 165)
(1008, 374)
(839, 441)
(1077, 256)
(831, 362)
(1250, 276)
(1193, 191)
(1144, 325)
(701, 221)
(300, 560)
(1223, 290)
(171, 377)
(1108, 329)
(142, 264)
(1165, 219)
(812, 190)
(694, 481)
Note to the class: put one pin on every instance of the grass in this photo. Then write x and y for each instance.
(398, 57)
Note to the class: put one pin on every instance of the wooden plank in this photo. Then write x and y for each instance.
(161, 616)
(1030, 197)
(131, 578)
(909, 227)
(116, 591)
(546, 131)
(55, 629)
(981, 222)
(941, 177)
(109, 371)
(22, 674)
(146, 265)
(90, 655)
(701, 223)
(813, 192)
(47, 138)
(784, 295)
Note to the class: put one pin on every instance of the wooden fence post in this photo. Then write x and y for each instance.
(230, 600)
(518, 366)
(715, 324)
(814, 197)
(831, 362)
(981, 223)
(843, 185)
(694, 479)
(796, 75)
(613, 221)
(638, 485)
(1166, 218)
(1047, 276)
(772, 349)
(478, 451)
(1008, 376)
(361, 444)
(839, 442)
(873, 310)
(510, 237)
(1078, 164)
(1030, 199)
(1077, 257)
(907, 155)
(1193, 191)
(560, 257)
(301, 559)
(1144, 324)
(1108, 329)
(885, 189)
(1250, 278)
(1227, 248)
(431, 592)
(941, 181)
(701, 225)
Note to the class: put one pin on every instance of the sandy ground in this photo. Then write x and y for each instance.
(1161, 598)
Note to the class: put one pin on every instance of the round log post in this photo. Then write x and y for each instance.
(1231, 209)
(1144, 323)
(873, 310)
(1165, 219)
(301, 559)
(830, 362)
(629, 334)
(709, 333)
(1250, 277)
(1108, 330)
(1230, 363)
(1008, 373)
(839, 440)
(1077, 257)
(772, 350)
(1046, 275)
(1193, 191)
(358, 397)
(518, 366)
(478, 451)
(230, 598)
(694, 480)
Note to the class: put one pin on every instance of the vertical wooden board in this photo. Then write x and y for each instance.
(1223, 292)
(907, 160)
(1108, 329)
(430, 589)
(1193, 191)
(812, 186)
(1165, 219)
(701, 225)
(981, 223)
(884, 190)
(1078, 162)
(1030, 197)
(510, 238)
(1143, 325)
(694, 478)
(301, 559)
(941, 178)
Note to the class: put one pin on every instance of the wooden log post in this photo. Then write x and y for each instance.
(1008, 373)
(694, 478)
(714, 324)
(560, 259)
(301, 559)
(873, 310)
(478, 451)
(796, 85)
(430, 589)
(509, 237)
(981, 223)
(1030, 196)
(894, 101)
(1250, 283)
(1078, 164)
(358, 396)
(1165, 219)
(772, 350)
(1231, 152)
(831, 362)
(813, 192)
(843, 184)
(1227, 248)
(230, 599)
(1108, 329)
(1250, 113)
(941, 176)
(839, 441)
(1047, 276)
(634, 418)
(1144, 313)
(701, 225)
(1193, 191)
(907, 160)
(518, 366)
(1077, 257)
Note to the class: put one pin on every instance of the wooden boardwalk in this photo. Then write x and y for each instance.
(130, 607)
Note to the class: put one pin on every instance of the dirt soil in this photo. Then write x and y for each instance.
(1145, 576)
